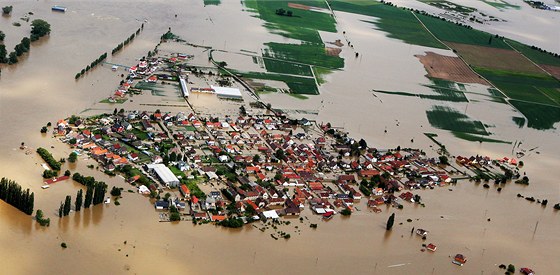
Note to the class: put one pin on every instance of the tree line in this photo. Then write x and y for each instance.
(95, 192)
(39, 28)
(128, 40)
(13, 194)
(91, 66)
(47, 156)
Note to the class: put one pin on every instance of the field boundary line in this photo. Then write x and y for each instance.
(537, 65)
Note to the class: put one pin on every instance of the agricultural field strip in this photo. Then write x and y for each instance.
(493, 85)
(534, 63)
(279, 59)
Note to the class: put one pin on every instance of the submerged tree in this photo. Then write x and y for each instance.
(39, 28)
(78, 203)
(7, 10)
(390, 221)
(67, 205)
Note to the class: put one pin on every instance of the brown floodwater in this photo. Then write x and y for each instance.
(41, 88)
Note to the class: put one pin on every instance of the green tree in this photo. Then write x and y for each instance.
(279, 154)
(12, 58)
(511, 268)
(362, 143)
(78, 203)
(39, 218)
(7, 10)
(174, 216)
(60, 210)
(115, 191)
(346, 212)
(2, 36)
(67, 205)
(39, 28)
(443, 160)
(72, 157)
(3, 54)
(390, 221)
(89, 196)
(26, 43)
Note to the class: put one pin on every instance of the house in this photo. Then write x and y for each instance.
(200, 216)
(407, 196)
(161, 205)
(431, 247)
(147, 125)
(291, 209)
(217, 218)
(421, 232)
(459, 259)
(368, 173)
(185, 191)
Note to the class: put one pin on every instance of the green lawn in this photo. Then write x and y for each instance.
(446, 118)
(450, 32)
(399, 24)
(141, 135)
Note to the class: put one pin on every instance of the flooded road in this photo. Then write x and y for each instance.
(41, 88)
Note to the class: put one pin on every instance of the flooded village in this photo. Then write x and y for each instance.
(219, 172)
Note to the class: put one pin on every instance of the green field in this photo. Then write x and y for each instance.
(540, 117)
(277, 66)
(297, 84)
(212, 2)
(444, 90)
(399, 24)
(302, 25)
(450, 32)
(471, 137)
(519, 121)
(312, 54)
(446, 118)
(534, 54)
(532, 88)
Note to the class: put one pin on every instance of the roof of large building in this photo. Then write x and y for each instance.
(226, 91)
(163, 173)
(184, 87)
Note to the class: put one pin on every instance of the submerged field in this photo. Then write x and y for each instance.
(293, 63)
(397, 23)
(452, 120)
(518, 72)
